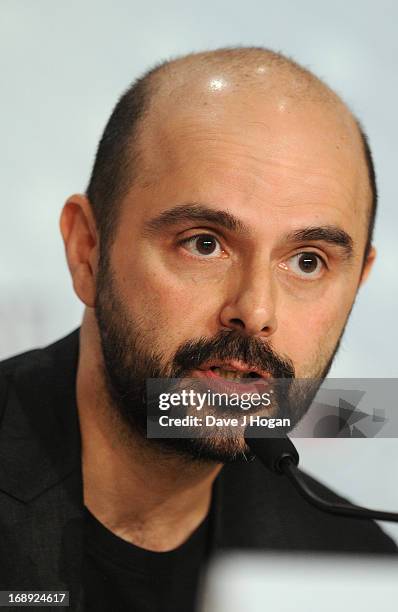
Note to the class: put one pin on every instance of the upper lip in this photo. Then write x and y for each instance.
(236, 365)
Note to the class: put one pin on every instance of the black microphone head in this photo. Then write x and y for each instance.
(269, 450)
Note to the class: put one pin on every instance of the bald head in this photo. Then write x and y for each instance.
(234, 70)
(248, 95)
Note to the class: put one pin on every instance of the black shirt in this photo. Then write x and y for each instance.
(119, 576)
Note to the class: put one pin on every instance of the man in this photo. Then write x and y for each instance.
(227, 226)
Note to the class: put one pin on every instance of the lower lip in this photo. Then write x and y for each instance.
(230, 386)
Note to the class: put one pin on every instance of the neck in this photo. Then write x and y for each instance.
(148, 498)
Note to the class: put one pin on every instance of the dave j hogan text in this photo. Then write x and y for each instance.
(213, 421)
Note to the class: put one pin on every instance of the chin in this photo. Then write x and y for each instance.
(216, 449)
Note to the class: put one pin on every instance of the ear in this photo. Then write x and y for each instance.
(81, 242)
(368, 265)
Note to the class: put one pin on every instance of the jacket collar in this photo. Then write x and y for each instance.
(39, 434)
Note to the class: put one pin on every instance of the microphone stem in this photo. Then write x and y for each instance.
(291, 471)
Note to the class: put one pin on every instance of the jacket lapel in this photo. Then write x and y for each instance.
(40, 471)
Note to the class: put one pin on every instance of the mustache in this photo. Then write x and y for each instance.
(231, 345)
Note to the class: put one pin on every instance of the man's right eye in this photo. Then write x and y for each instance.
(203, 245)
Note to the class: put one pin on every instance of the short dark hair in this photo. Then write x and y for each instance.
(374, 196)
(117, 162)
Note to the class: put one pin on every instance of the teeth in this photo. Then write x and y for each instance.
(228, 374)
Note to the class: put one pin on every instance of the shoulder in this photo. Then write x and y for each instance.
(39, 357)
(360, 534)
(21, 368)
(39, 369)
(10, 368)
(268, 512)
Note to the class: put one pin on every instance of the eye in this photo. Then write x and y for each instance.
(305, 265)
(203, 245)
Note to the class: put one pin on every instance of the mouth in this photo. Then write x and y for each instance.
(234, 371)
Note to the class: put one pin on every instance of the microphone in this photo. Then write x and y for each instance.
(281, 457)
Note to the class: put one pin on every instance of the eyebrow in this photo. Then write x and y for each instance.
(195, 212)
(330, 234)
(326, 233)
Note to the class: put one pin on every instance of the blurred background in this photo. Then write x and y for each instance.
(63, 66)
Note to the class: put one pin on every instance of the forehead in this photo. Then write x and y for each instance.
(257, 155)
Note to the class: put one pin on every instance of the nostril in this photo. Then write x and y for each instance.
(238, 322)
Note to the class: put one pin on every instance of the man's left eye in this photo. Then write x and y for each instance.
(203, 245)
(305, 265)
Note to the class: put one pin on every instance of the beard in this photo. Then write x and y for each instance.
(130, 358)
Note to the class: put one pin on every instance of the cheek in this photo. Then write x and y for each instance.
(171, 305)
(308, 331)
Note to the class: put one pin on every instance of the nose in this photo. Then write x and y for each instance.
(250, 307)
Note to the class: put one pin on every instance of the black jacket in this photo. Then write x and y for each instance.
(41, 493)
